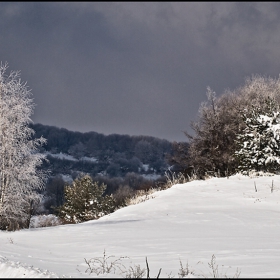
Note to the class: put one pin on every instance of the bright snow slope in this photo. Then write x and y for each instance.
(188, 222)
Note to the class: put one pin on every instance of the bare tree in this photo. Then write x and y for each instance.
(19, 159)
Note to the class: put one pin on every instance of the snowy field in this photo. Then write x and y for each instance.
(190, 222)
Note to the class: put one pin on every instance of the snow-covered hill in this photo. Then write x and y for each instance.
(190, 223)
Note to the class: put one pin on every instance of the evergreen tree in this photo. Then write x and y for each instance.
(258, 147)
(85, 200)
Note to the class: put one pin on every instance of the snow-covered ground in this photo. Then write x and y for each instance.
(190, 223)
(62, 156)
(91, 159)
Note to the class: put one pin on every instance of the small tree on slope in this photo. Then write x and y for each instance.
(259, 144)
(19, 178)
(84, 201)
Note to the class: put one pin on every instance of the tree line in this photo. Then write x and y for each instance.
(116, 154)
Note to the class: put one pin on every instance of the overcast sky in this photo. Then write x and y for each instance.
(138, 68)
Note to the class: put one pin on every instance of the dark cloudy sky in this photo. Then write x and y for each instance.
(138, 68)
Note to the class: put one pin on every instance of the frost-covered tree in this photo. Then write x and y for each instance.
(258, 146)
(212, 145)
(19, 159)
(84, 201)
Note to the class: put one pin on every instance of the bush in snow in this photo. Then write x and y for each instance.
(44, 221)
(84, 201)
(122, 194)
(258, 146)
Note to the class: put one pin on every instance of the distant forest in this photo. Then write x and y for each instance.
(113, 155)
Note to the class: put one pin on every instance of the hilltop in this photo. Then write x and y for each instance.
(232, 223)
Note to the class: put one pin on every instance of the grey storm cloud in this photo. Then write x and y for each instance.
(138, 68)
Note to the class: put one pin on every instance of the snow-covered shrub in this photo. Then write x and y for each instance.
(44, 221)
(256, 174)
(258, 146)
(84, 201)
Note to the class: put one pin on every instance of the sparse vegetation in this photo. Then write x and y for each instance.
(216, 273)
(185, 271)
(173, 178)
(113, 265)
(140, 196)
(104, 265)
